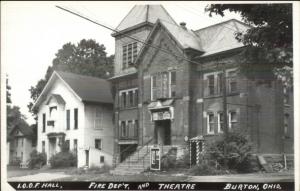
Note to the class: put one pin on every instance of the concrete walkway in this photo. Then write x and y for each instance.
(263, 177)
(40, 177)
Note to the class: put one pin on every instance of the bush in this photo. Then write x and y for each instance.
(238, 151)
(169, 160)
(37, 160)
(63, 159)
(206, 168)
(184, 160)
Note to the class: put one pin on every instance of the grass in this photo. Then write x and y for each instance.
(124, 178)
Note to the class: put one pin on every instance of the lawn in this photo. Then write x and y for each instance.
(130, 178)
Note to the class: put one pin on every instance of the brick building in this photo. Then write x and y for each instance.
(165, 98)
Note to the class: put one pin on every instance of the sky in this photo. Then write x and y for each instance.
(32, 33)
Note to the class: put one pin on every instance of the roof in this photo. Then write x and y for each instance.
(58, 98)
(88, 88)
(185, 37)
(85, 88)
(144, 13)
(221, 37)
(26, 130)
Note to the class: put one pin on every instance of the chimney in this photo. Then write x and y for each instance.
(183, 25)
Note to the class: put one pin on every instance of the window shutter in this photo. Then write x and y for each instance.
(147, 89)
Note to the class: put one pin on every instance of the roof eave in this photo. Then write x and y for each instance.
(118, 33)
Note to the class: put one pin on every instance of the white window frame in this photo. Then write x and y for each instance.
(126, 91)
(230, 118)
(219, 121)
(208, 124)
(169, 77)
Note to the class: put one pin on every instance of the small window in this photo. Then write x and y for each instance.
(75, 118)
(98, 118)
(123, 100)
(123, 129)
(101, 159)
(232, 81)
(210, 123)
(22, 141)
(44, 122)
(51, 109)
(98, 144)
(131, 98)
(136, 97)
(220, 122)
(68, 119)
(211, 84)
(220, 83)
(232, 119)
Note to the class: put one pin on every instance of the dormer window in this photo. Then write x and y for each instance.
(51, 109)
(129, 54)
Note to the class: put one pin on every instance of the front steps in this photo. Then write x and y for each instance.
(276, 162)
(138, 162)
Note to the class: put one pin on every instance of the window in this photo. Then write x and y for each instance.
(128, 98)
(98, 118)
(210, 123)
(173, 84)
(286, 124)
(75, 145)
(75, 118)
(220, 122)
(98, 144)
(232, 119)
(17, 142)
(130, 128)
(129, 54)
(22, 141)
(285, 95)
(123, 99)
(163, 85)
(44, 122)
(67, 145)
(51, 109)
(43, 146)
(131, 102)
(68, 119)
(220, 83)
(232, 81)
(101, 159)
(211, 84)
(123, 129)
(22, 156)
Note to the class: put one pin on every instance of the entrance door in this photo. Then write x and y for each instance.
(162, 132)
(86, 157)
(193, 153)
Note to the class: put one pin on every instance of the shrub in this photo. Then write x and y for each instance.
(37, 160)
(206, 168)
(184, 160)
(169, 160)
(238, 153)
(63, 159)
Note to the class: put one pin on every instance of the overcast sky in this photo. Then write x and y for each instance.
(32, 32)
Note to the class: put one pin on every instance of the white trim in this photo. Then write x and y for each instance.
(127, 90)
(151, 87)
(51, 81)
(230, 118)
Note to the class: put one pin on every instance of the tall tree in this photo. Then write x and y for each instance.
(86, 58)
(269, 41)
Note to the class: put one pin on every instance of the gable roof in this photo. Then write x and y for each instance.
(85, 88)
(221, 37)
(142, 14)
(26, 130)
(185, 37)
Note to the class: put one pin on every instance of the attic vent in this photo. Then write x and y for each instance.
(183, 25)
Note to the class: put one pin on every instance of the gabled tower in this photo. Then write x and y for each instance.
(138, 24)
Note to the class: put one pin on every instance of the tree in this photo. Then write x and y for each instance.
(86, 58)
(269, 41)
(8, 95)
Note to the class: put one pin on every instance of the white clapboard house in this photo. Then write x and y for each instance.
(76, 110)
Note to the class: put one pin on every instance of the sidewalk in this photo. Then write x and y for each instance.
(39, 177)
(253, 177)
